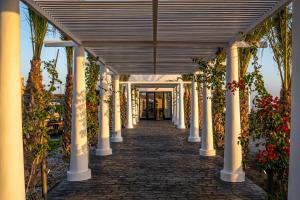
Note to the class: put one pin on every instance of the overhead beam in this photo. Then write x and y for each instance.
(261, 20)
(155, 82)
(31, 4)
(244, 44)
(155, 16)
(175, 44)
(61, 43)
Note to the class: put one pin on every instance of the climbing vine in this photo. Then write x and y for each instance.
(92, 73)
(35, 129)
(213, 73)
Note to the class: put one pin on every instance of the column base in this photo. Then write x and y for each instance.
(116, 138)
(194, 139)
(103, 152)
(129, 126)
(79, 176)
(233, 177)
(134, 122)
(204, 152)
(181, 126)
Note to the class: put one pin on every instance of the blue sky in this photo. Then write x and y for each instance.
(269, 69)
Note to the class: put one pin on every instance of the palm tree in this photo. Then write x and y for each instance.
(187, 97)
(39, 28)
(245, 56)
(66, 139)
(280, 40)
(34, 96)
(123, 100)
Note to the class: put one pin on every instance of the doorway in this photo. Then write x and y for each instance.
(156, 105)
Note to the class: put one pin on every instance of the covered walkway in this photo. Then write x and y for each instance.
(155, 161)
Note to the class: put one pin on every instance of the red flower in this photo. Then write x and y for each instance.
(286, 119)
(258, 156)
(265, 153)
(285, 128)
(286, 149)
(272, 156)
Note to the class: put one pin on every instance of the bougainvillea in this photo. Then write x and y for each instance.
(271, 130)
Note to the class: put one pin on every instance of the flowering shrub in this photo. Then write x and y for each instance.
(234, 85)
(272, 128)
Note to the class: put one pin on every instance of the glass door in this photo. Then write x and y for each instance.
(167, 105)
(159, 114)
(143, 105)
(150, 105)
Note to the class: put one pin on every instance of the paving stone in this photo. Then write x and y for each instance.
(155, 161)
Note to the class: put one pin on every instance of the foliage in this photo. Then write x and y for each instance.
(39, 28)
(187, 97)
(271, 128)
(123, 100)
(66, 139)
(213, 73)
(280, 40)
(92, 73)
(35, 129)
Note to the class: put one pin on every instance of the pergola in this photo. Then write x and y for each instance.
(139, 37)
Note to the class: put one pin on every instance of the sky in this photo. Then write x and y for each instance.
(269, 70)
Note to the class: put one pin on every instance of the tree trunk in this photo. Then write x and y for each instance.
(34, 84)
(187, 106)
(200, 99)
(123, 107)
(218, 110)
(44, 178)
(285, 100)
(66, 139)
(244, 109)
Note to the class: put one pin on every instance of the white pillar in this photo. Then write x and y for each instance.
(177, 106)
(11, 141)
(103, 147)
(233, 169)
(181, 124)
(129, 124)
(194, 127)
(116, 135)
(137, 106)
(134, 122)
(174, 106)
(79, 169)
(294, 175)
(207, 144)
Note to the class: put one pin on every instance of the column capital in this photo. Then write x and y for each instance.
(116, 76)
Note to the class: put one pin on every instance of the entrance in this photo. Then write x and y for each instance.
(156, 105)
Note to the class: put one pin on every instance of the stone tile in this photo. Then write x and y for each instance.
(155, 161)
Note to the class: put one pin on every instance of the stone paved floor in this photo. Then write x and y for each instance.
(155, 162)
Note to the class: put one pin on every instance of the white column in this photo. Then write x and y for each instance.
(116, 135)
(174, 106)
(177, 106)
(207, 144)
(294, 175)
(129, 124)
(79, 169)
(194, 127)
(233, 169)
(11, 141)
(137, 106)
(134, 107)
(181, 124)
(103, 147)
